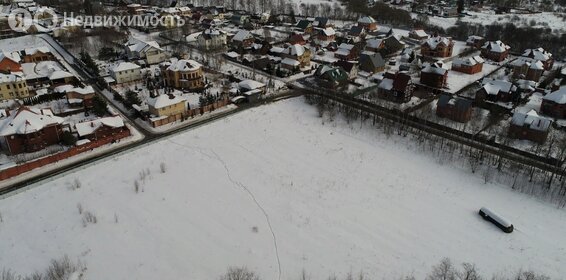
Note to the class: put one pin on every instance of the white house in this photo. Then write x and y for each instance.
(126, 72)
(211, 38)
(150, 51)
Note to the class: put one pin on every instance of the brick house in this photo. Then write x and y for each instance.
(469, 65)
(495, 50)
(418, 34)
(437, 47)
(243, 40)
(367, 23)
(326, 35)
(297, 39)
(77, 96)
(375, 45)
(528, 69)
(541, 55)
(37, 54)
(529, 126)
(28, 130)
(183, 74)
(456, 109)
(475, 41)
(554, 104)
(10, 62)
(434, 75)
(497, 91)
(396, 87)
(347, 52)
(100, 128)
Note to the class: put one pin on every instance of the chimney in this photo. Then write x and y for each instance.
(171, 96)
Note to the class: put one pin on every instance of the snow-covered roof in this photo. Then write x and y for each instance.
(184, 65)
(10, 78)
(69, 88)
(496, 46)
(435, 41)
(250, 85)
(374, 43)
(532, 120)
(538, 54)
(386, 84)
(60, 74)
(290, 61)
(468, 61)
(164, 100)
(32, 51)
(27, 120)
(474, 38)
(346, 46)
(124, 66)
(493, 87)
(295, 49)
(366, 20)
(419, 33)
(558, 96)
(435, 68)
(13, 56)
(329, 31)
(277, 50)
(87, 128)
(242, 35)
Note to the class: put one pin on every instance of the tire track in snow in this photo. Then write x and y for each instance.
(246, 189)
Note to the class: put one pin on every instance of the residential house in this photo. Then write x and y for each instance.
(357, 32)
(299, 53)
(101, 128)
(149, 51)
(529, 126)
(37, 54)
(375, 44)
(211, 39)
(13, 86)
(77, 96)
(347, 52)
(322, 22)
(28, 130)
(295, 39)
(243, 40)
(368, 23)
(331, 77)
(475, 41)
(496, 91)
(290, 64)
(183, 74)
(393, 44)
(304, 26)
(437, 47)
(240, 20)
(396, 87)
(418, 34)
(434, 75)
(495, 50)
(454, 108)
(468, 65)
(10, 62)
(166, 108)
(125, 72)
(251, 89)
(326, 35)
(541, 55)
(351, 67)
(554, 104)
(372, 63)
(528, 69)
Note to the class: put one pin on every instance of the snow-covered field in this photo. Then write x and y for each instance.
(334, 199)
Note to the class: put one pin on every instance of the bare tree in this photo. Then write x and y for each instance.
(239, 273)
(442, 271)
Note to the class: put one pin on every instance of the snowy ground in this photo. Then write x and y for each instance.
(336, 200)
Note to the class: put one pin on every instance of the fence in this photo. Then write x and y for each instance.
(19, 169)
